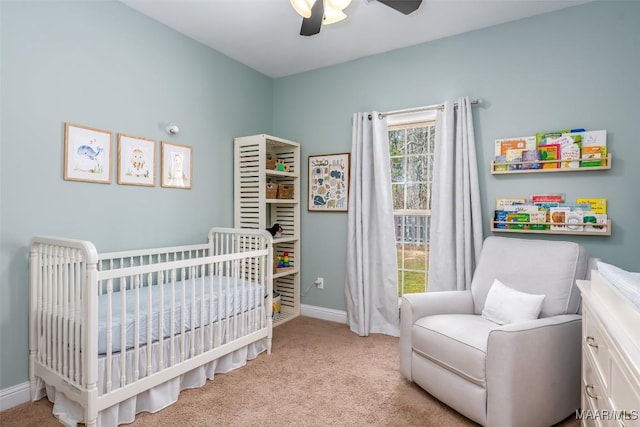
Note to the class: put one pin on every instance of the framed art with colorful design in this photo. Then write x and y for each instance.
(328, 183)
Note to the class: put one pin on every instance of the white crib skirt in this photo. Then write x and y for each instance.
(70, 413)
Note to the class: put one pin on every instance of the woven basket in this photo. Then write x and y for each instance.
(285, 191)
(271, 162)
(272, 191)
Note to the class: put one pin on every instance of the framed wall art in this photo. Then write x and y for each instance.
(136, 160)
(87, 154)
(328, 183)
(176, 166)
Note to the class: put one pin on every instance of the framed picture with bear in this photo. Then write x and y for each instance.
(136, 160)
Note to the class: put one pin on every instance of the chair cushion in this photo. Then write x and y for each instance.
(506, 305)
(532, 266)
(457, 342)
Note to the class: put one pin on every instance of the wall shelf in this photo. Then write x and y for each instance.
(607, 231)
(495, 164)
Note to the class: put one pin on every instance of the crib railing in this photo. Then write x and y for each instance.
(71, 283)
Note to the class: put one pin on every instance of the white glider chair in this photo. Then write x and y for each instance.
(505, 353)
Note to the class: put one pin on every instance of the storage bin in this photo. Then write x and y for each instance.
(272, 191)
(271, 162)
(285, 191)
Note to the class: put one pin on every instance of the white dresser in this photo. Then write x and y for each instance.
(610, 355)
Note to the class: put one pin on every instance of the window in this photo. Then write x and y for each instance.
(411, 147)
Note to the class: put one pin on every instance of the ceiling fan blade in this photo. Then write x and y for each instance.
(312, 24)
(403, 6)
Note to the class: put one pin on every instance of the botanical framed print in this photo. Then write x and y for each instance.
(87, 154)
(328, 183)
(136, 160)
(176, 165)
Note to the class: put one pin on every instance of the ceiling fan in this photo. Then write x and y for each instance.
(315, 13)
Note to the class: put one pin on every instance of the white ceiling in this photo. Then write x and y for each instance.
(264, 34)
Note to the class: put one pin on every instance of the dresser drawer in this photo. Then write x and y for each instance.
(596, 344)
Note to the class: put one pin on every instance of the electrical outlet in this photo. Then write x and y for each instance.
(319, 283)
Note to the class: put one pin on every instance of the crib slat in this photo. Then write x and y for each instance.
(136, 341)
(161, 322)
(109, 337)
(123, 329)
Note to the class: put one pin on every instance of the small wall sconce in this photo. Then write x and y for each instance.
(172, 129)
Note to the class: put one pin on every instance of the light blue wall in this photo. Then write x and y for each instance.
(574, 68)
(101, 64)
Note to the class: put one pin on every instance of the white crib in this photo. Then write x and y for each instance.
(115, 334)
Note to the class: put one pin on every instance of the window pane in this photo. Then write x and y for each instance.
(416, 168)
(416, 139)
(398, 196)
(397, 169)
(396, 142)
(418, 196)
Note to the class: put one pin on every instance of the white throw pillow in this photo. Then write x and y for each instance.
(506, 305)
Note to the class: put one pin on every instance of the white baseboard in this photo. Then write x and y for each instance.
(14, 396)
(330, 314)
(19, 394)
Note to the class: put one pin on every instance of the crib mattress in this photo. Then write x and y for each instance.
(217, 298)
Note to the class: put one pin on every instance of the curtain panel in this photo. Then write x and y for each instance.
(371, 288)
(456, 216)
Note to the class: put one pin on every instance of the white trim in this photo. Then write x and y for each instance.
(329, 314)
(14, 396)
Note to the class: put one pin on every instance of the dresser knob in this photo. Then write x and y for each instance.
(589, 390)
(591, 342)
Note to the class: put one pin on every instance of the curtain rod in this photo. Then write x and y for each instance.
(420, 109)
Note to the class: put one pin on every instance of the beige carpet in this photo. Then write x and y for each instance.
(319, 374)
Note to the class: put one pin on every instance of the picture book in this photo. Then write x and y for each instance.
(501, 218)
(595, 222)
(502, 202)
(512, 221)
(501, 163)
(597, 205)
(543, 137)
(548, 153)
(591, 140)
(593, 156)
(530, 159)
(570, 156)
(514, 158)
(517, 143)
(558, 218)
(550, 197)
(538, 220)
(573, 219)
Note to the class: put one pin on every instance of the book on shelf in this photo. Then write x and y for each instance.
(517, 143)
(547, 197)
(596, 205)
(550, 152)
(538, 220)
(594, 148)
(574, 220)
(502, 202)
(542, 138)
(595, 222)
(514, 158)
(558, 218)
(501, 164)
(530, 159)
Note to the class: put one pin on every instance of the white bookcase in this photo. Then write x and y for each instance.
(253, 209)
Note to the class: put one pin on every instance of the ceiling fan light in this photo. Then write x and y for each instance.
(331, 16)
(303, 7)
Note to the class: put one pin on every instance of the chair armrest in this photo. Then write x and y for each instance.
(531, 364)
(415, 306)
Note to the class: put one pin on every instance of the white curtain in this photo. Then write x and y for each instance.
(456, 217)
(371, 288)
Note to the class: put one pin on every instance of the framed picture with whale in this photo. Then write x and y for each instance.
(329, 183)
(87, 154)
